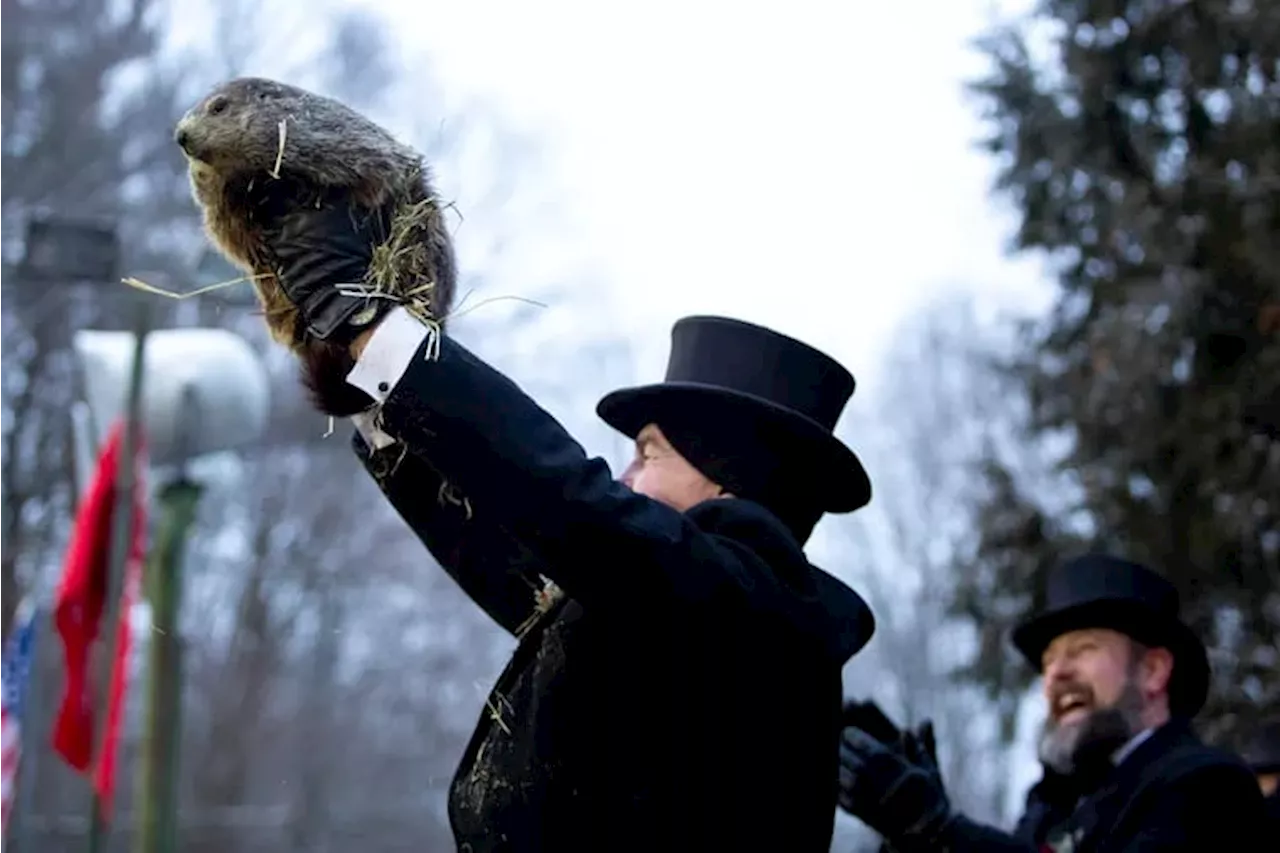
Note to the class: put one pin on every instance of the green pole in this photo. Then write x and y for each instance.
(157, 800)
(121, 530)
(169, 828)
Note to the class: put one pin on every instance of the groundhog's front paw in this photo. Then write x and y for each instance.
(325, 367)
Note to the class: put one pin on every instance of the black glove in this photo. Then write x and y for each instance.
(895, 788)
(319, 251)
(868, 717)
(922, 747)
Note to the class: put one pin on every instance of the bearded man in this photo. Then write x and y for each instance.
(1123, 677)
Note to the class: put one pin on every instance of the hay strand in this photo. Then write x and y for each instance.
(544, 598)
(495, 711)
(284, 130)
(139, 284)
(401, 270)
(460, 313)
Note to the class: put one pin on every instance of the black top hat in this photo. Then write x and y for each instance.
(1263, 752)
(1100, 591)
(755, 411)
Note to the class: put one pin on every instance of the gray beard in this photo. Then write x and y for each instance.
(1088, 744)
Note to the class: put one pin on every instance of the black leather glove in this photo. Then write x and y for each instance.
(868, 717)
(895, 788)
(318, 252)
(922, 746)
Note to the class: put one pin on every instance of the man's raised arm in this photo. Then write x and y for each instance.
(597, 538)
(488, 563)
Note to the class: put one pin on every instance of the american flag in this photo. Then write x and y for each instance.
(13, 681)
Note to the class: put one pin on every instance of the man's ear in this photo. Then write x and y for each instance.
(1155, 670)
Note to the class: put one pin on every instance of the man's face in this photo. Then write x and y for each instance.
(1100, 687)
(661, 473)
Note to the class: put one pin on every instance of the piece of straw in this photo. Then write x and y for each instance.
(495, 712)
(138, 284)
(484, 302)
(284, 128)
(544, 598)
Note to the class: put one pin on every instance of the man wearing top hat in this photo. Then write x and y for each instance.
(1123, 677)
(664, 618)
(1263, 757)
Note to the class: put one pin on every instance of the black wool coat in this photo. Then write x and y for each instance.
(1273, 812)
(1173, 794)
(685, 691)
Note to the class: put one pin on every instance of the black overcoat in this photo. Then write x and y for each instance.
(683, 694)
(1273, 811)
(1173, 794)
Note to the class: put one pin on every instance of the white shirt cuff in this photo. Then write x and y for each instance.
(387, 355)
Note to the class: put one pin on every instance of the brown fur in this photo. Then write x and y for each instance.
(331, 154)
(324, 368)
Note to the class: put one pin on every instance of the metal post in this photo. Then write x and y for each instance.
(157, 805)
(4, 443)
(122, 519)
(169, 828)
(158, 792)
(33, 732)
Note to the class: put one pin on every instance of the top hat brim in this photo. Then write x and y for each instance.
(1268, 765)
(1190, 683)
(830, 469)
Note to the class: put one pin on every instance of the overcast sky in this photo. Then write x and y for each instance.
(807, 165)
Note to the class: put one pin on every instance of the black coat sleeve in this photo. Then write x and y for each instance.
(598, 540)
(965, 836)
(968, 836)
(496, 571)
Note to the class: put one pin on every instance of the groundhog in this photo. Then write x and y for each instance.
(258, 149)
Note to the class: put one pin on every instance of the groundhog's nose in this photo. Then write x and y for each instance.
(183, 138)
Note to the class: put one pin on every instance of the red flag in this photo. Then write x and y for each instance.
(78, 614)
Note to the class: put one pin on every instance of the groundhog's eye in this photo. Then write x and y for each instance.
(264, 95)
(218, 106)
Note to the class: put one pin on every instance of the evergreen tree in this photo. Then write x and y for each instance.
(1144, 159)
